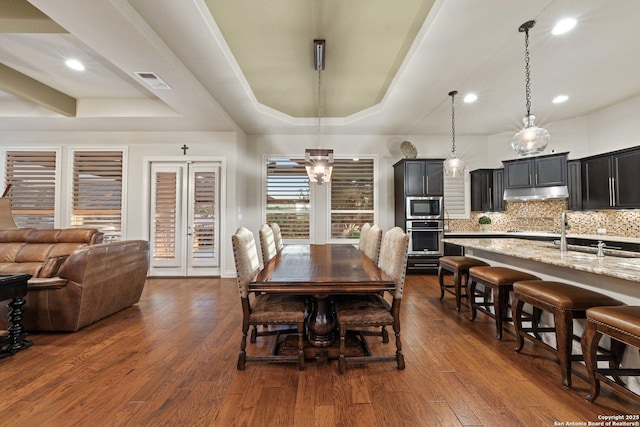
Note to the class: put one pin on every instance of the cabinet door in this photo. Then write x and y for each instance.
(627, 179)
(596, 185)
(414, 178)
(550, 171)
(574, 203)
(434, 183)
(498, 204)
(517, 174)
(476, 190)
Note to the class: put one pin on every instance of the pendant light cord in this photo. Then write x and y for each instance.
(453, 122)
(319, 108)
(527, 74)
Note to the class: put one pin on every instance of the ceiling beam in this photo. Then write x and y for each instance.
(20, 16)
(23, 86)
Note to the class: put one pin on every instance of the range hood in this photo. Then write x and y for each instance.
(536, 193)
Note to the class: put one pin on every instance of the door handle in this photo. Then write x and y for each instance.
(613, 191)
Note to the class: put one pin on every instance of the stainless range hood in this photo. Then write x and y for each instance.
(536, 193)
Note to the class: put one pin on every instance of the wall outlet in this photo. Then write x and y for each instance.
(602, 231)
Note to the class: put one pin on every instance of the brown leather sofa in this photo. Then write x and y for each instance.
(41, 252)
(72, 290)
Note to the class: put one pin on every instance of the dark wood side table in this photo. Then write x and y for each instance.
(14, 287)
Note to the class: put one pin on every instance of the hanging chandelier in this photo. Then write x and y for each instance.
(319, 162)
(531, 139)
(453, 166)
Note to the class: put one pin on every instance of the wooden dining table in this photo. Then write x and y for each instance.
(321, 272)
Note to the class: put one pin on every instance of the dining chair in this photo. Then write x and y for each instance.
(267, 244)
(364, 230)
(263, 309)
(374, 310)
(277, 236)
(372, 243)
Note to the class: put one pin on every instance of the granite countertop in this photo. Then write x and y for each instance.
(594, 237)
(619, 264)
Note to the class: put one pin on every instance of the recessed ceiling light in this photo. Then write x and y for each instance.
(470, 97)
(560, 99)
(74, 64)
(563, 26)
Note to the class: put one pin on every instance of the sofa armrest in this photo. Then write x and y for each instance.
(43, 283)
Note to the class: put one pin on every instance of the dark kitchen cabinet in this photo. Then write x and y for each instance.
(610, 181)
(574, 185)
(487, 190)
(541, 171)
(421, 177)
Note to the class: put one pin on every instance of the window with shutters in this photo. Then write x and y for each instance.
(287, 193)
(352, 197)
(97, 191)
(32, 176)
(165, 215)
(455, 196)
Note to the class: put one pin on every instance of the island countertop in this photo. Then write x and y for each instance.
(624, 266)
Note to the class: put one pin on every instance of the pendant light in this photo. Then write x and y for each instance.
(319, 162)
(453, 166)
(531, 139)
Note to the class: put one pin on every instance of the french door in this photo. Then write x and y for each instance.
(184, 219)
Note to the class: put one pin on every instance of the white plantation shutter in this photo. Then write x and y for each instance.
(204, 214)
(97, 192)
(32, 175)
(352, 196)
(454, 196)
(165, 215)
(287, 201)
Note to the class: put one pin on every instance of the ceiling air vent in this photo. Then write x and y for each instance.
(152, 79)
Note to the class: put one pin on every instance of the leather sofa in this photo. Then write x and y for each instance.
(92, 282)
(40, 252)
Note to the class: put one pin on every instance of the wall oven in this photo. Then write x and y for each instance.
(424, 207)
(425, 237)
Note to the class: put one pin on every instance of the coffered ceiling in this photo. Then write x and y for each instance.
(243, 64)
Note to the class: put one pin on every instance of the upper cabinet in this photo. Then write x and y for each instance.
(542, 171)
(610, 181)
(574, 184)
(487, 190)
(420, 177)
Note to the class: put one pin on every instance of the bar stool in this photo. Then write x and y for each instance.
(499, 280)
(622, 325)
(566, 303)
(459, 266)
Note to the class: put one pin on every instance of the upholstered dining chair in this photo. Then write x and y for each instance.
(364, 230)
(373, 310)
(277, 236)
(372, 242)
(267, 243)
(263, 309)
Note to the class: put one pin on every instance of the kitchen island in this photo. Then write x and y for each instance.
(617, 274)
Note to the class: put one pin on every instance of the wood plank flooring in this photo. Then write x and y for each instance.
(171, 361)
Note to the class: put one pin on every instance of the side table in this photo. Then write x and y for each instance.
(14, 287)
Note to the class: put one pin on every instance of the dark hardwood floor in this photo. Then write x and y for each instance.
(171, 361)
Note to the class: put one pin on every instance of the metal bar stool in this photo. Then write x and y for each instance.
(622, 325)
(499, 282)
(566, 303)
(459, 266)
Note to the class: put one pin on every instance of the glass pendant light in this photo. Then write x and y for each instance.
(453, 166)
(531, 139)
(319, 162)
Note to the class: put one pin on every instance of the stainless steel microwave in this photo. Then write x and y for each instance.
(425, 207)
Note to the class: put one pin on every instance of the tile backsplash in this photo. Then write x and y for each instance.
(545, 216)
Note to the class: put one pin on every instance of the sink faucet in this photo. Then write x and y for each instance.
(601, 246)
(563, 232)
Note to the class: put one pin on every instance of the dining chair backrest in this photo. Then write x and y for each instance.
(267, 243)
(245, 255)
(277, 236)
(363, 235)
(393, 257)
(372, 243)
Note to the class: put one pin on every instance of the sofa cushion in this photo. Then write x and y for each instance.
(32, 268)
(15, 235)
(52, 265)
(8, 251)
(75, 235)
(33, 252)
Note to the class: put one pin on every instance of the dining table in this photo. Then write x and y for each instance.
(321, 272)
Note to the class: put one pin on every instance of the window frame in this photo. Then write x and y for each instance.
(376, 197)
(70, 172)
(57, 217)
